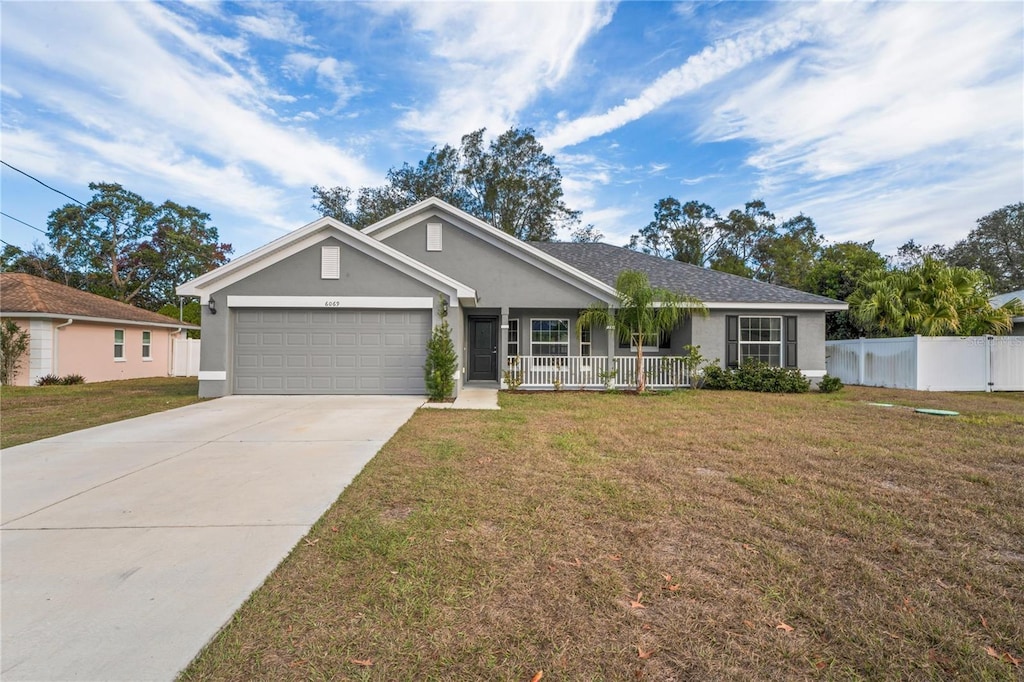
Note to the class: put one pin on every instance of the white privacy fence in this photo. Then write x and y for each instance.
(184, 357)
(930, 363)
(578, 372)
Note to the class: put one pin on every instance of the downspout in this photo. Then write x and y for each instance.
(170, 356)
(56, 345)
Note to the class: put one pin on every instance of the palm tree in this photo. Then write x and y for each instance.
(930, 299)
(643, 313)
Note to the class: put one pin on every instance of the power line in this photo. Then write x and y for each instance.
(8, 215)
(32, 177)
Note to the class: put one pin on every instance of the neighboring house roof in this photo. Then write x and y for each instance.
(1002, 299)
(715, 289)
(525, 251)
(24, 295)
(306, 236)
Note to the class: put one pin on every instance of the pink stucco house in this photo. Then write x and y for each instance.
(75, 332)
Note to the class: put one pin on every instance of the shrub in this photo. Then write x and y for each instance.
(13, 346)
(73, 380)
(442, 361)
(513, 375)
(758, 377)
(830, 384)
(49, 380)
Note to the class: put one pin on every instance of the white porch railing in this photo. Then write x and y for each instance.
(577, 372)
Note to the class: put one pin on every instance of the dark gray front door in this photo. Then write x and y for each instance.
(483, 349)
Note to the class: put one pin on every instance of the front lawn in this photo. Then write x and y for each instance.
(28, 413)
(695, 535)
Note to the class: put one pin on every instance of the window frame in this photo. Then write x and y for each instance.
(147, 345)
(513, 337)
(780, 343)
(568, 337)
(586, 340)
(119, 346)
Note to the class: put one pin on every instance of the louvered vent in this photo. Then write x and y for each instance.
(433, 236)
(330, 262)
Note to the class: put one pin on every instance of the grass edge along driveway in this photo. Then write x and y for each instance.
(29, 413)
(695, 535)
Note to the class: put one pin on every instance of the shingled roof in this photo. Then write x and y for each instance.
(604, 262)
(38, 297)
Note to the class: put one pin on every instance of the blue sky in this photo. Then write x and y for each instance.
(884, 121)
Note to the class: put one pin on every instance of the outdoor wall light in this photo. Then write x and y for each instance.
(443, 307)
(213, 306)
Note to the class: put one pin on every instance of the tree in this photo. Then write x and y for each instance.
(41, 262)
(442, 360)
(742, 235)
(642, 315)
(129, 249)
(586, 235)
(910, 254)
(510, 183)
(930, 299)
(995, 246)
(190, 313)
(836, 273)
(787, 257)
(689, 233)
(13, 346)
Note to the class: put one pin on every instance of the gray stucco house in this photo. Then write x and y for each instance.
(330, 309)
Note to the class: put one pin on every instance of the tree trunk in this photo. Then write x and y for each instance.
(641, 378)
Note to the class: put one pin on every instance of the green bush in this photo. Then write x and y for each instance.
(830, 384)
(442, 361)
(13, 346)
(49, 380)
(758, 377)
(73, 380)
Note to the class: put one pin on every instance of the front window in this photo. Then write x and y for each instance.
(761, 340)
(549, 337)
(513, 338)
(146, 341)
(585, 346)
(119, 344)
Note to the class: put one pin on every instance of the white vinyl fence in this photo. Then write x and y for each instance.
(184, 357)
(930, 363)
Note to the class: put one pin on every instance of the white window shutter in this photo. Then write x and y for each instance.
(433, 236)
(330, 262)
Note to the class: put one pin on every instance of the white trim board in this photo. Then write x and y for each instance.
(332, 302)
(781, 307)
(212, 375)
(170, 324)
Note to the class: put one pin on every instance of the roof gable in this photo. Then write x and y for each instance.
(306, 236)
(37, 297)
(525, 251)
(715, 289)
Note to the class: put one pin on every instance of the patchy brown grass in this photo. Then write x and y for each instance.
(492, 545)
(30, 413)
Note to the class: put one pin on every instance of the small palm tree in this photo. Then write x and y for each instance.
(643, 313)
(930, 299)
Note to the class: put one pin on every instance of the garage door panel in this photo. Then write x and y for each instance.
(290, 351)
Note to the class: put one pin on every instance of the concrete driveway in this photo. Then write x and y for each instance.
(126, 547)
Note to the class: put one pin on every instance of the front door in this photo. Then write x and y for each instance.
(483, 349)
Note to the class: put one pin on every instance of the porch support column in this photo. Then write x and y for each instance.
(613, 343)
(503, 344)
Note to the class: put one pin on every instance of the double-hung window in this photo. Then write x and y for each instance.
(147, 339)
(513, 338)
(585, 343)
(761, 340)
(549, 337)
(119, 345)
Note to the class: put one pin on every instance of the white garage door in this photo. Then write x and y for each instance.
(284, 351)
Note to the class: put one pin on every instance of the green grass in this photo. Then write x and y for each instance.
(492, 545)
(30, 413)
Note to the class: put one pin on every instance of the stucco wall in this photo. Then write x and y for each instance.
(709, 334)
(87, 348)
(500, 279)
(298, 275)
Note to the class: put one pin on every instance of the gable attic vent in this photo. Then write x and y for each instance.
(330, 262)
(433, 236)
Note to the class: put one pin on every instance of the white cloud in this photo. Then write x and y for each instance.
(134, 88)
(723, 57)
(334, 76)
(492, 59)
(273, 22)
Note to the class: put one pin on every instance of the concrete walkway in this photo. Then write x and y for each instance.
(126, 547)
(471, 397)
